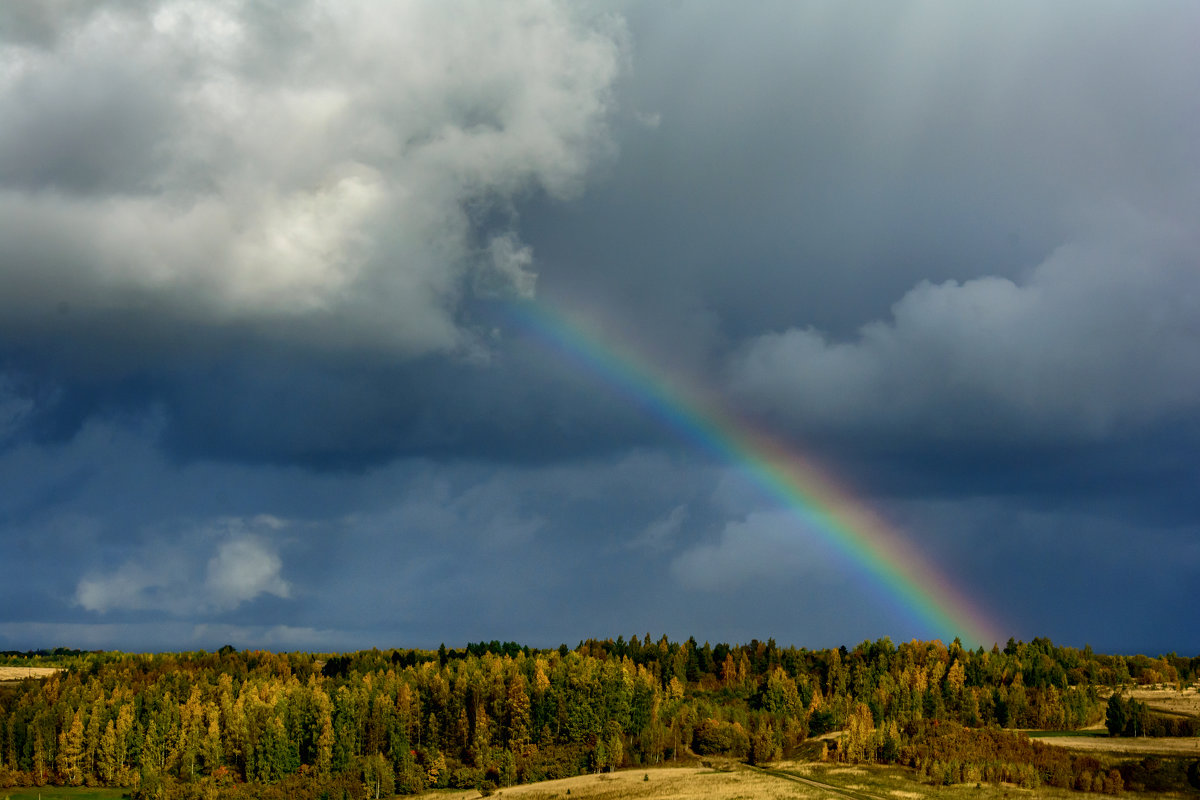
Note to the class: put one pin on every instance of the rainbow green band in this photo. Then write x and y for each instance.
(842, 520)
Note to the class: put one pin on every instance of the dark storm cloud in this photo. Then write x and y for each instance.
(416, 552)
(1055, 571)
(279, 404)
(523, 406)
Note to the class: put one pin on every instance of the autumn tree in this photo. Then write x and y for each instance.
(70, 751)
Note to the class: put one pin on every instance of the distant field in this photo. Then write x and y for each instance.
(1184, 703)
(742, 783)
(21, 673)
(61, 793)
(1170, 701)
(675, 783)
(1116, 745)
(1086, 733)
(897, 783)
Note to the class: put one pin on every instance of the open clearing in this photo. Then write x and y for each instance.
(61, 793)
(678, 783)
(898, 783)
(743, 783)
(21, 673)
(1184, 703)
(1176, 702)
(1116, 745)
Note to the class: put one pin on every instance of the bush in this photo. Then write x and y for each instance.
(715, 737)
(465, 778)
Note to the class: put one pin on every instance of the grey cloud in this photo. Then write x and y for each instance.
(88, 126)
(329, 200)
(662, 533)
(420, 551)
(242, 569)
(414, 551)
(168, 578)
(764, 546)
(854, 152)
(1099, 339)
(40, 23)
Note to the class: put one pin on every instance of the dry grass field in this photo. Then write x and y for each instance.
(1141, 746)
(898, 783)
(62, 793)
(742, 783)
(21, 673)
(1184, 703)
(810, 779)
(680, 783)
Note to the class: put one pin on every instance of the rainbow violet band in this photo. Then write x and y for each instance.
(843, 521)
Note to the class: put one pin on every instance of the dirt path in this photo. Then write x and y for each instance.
(825, 787)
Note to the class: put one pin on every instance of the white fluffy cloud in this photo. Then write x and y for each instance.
(243, 569)
(314, 169)
(172, 578)
(1101, 336)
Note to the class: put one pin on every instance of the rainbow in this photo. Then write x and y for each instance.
(818, 502)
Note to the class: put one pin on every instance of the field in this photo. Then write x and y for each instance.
(60, 793)
(1141, 746)
(1163, 701)
(737, 782)
(663, 784)
(807, 779)
(21, 673)
(1184, 703)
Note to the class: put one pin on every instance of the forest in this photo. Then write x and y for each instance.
(376, 723)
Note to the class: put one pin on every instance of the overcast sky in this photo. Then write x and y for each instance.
(258, 385)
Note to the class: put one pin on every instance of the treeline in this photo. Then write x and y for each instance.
(494, 714)
(59, 656)
(1131, 718)
(947, 754)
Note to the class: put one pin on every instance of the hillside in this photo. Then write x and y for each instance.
(495, 715)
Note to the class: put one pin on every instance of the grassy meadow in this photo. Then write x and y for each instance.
(62, 793)
(1089, 742)
(23, 673)
(738, 782)
(1095, 739)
